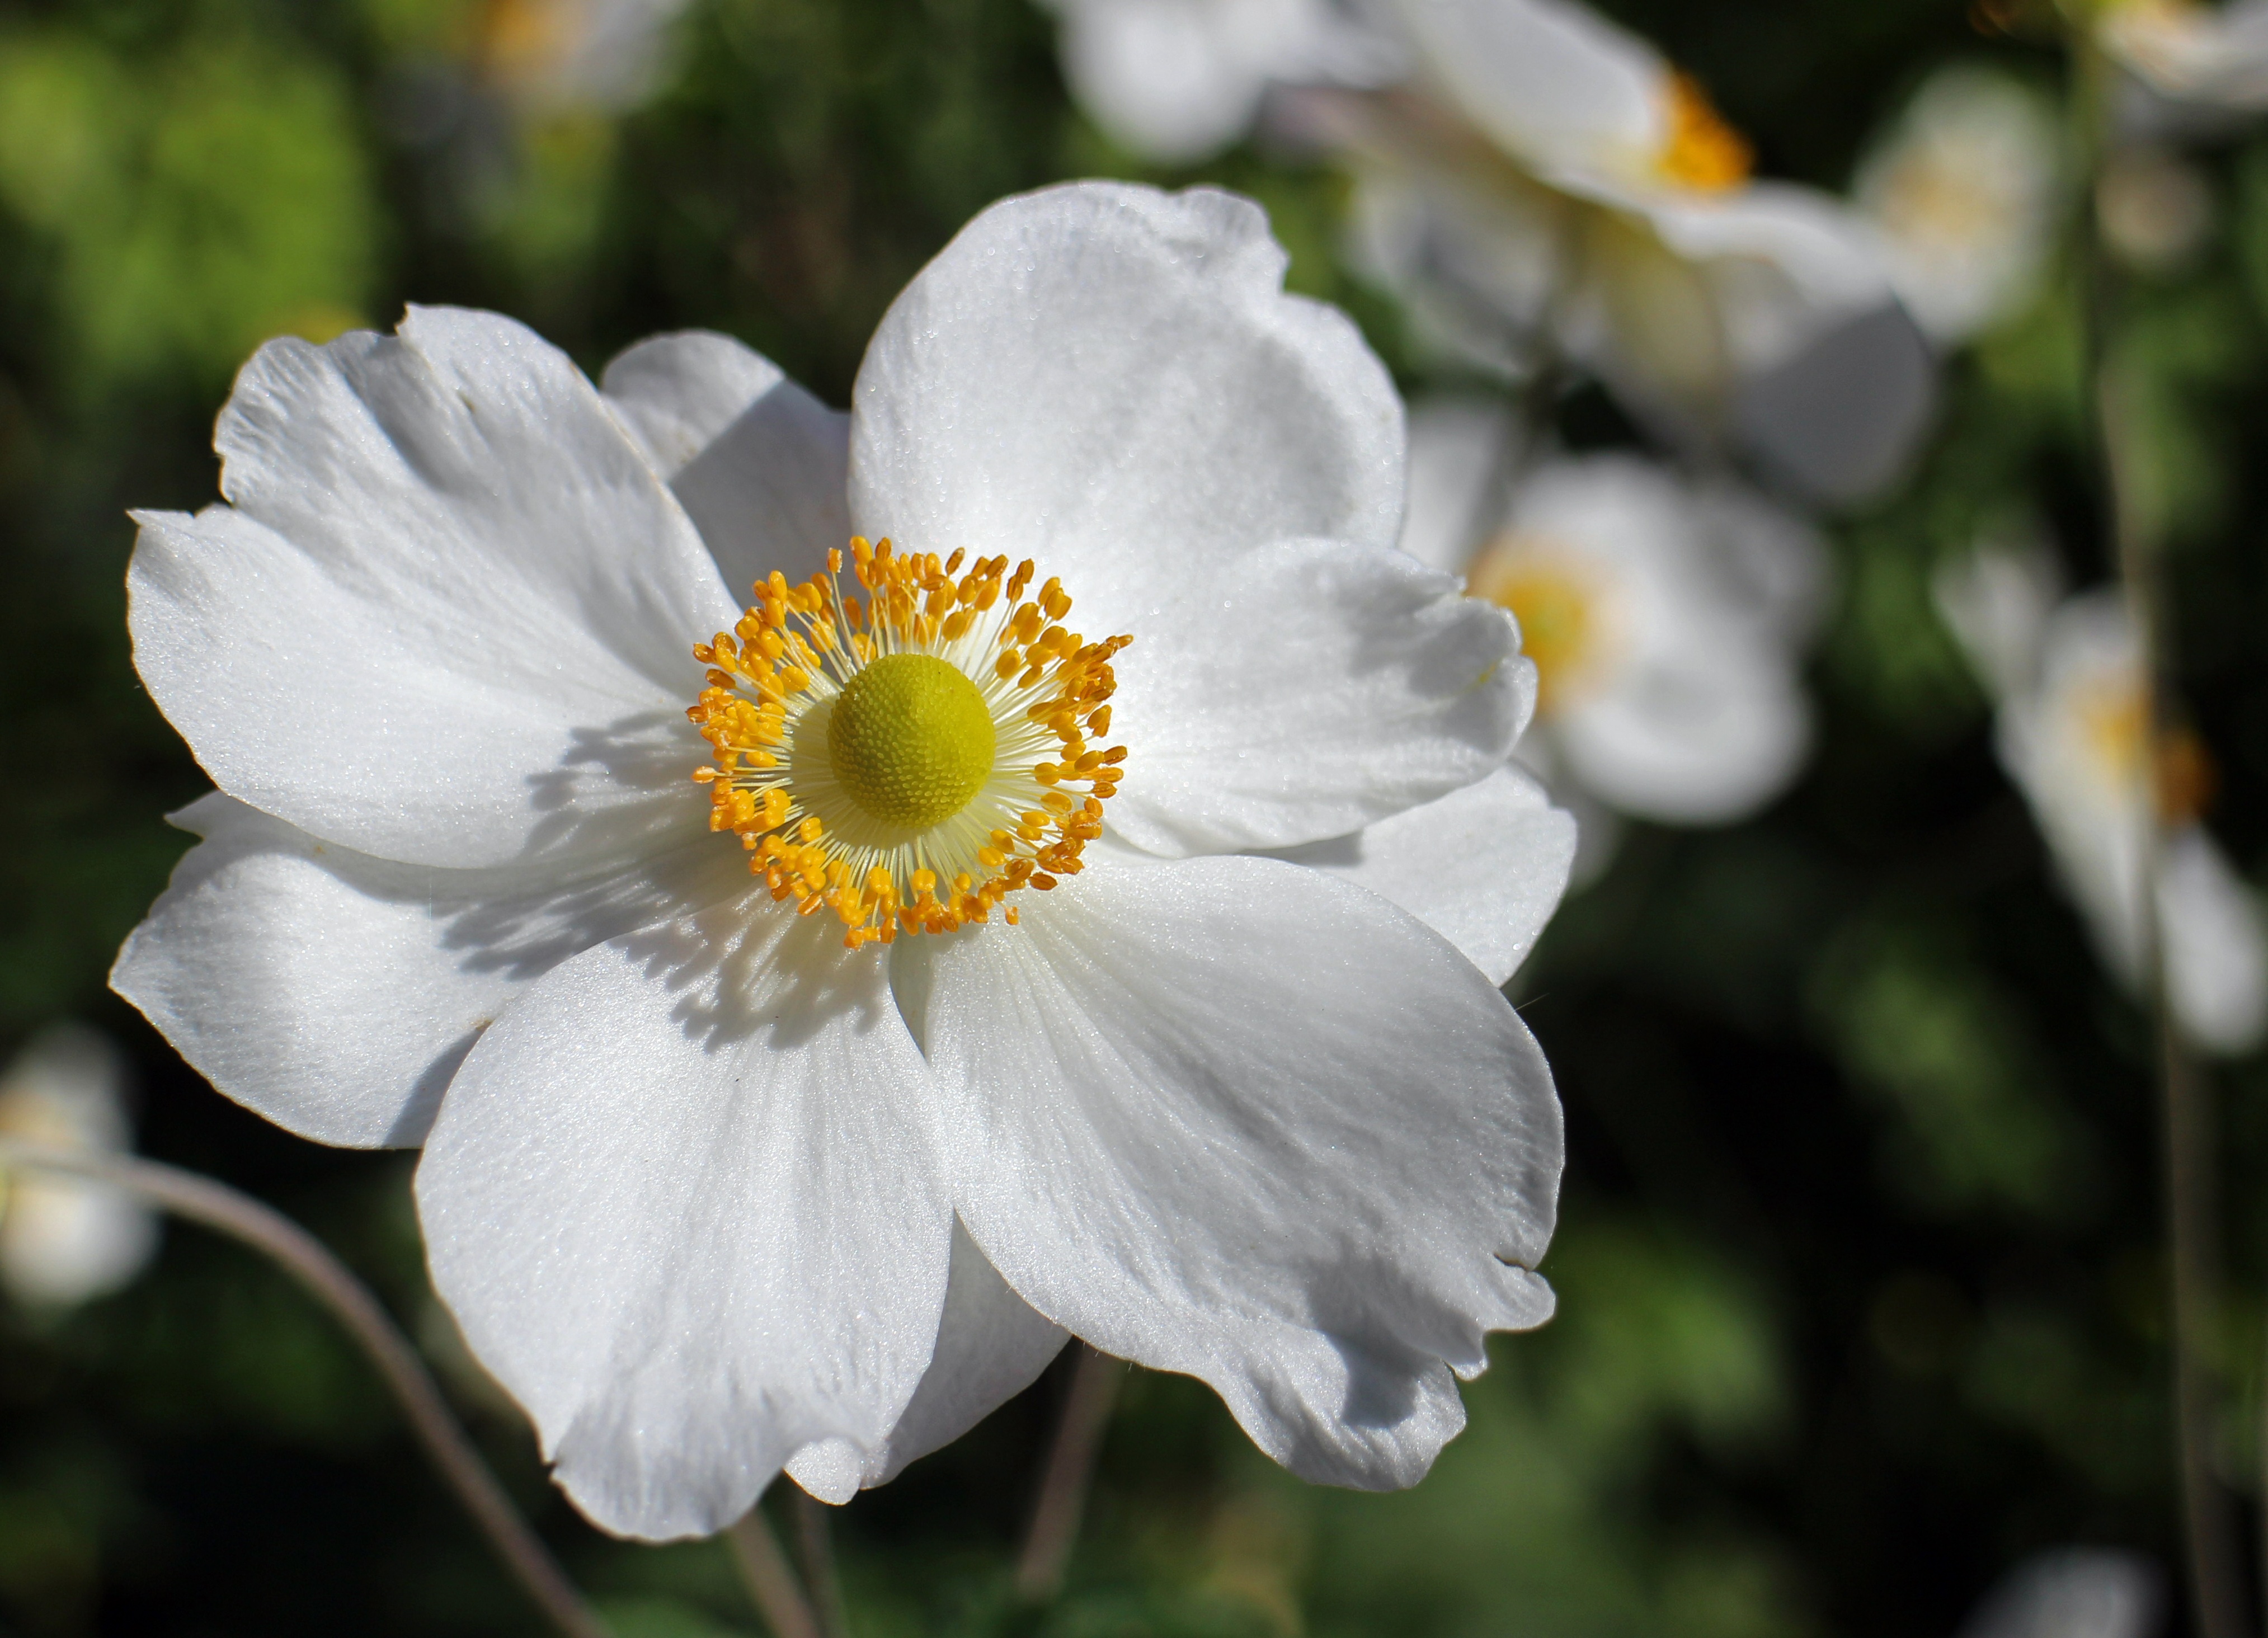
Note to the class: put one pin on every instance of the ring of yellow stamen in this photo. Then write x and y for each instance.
(910, 759)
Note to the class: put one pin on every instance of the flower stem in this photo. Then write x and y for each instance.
(814, 1541)
(2186, 1114)
(1095, 1384)
(771, 1580)
(206, 1200)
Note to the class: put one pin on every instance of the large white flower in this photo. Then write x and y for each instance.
(2073, 735)
(1964, 190)
(1665, 616)
(1557, 178)
(816, 1167)
(1179, 80)
(62, 1240)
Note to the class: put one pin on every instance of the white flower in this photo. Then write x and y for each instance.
(711, 1193)
(2071, 1592)
(2186, 52)
(1179, 80)
(1626, 227)
(1964, 190)
(63, 1241)
(2073, 735)
(1665, 616)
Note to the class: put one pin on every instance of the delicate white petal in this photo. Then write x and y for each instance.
(449, 614)
(1764, 313)
(758, 463)
(1303, 691)
(1841, 419)
(991, 1347)
(1998, 600)
(1476, 261)
(2216, 964)
(1554, 82)
(1462, 451)
(678, 393)
(683, 1200)
(1703, 737)
(1485, 867)
(336, 992)
(2072, 1592)
(1179, 80)
(1159, 78)
(1235, 1118)
(62, 1240)
(1110, 380)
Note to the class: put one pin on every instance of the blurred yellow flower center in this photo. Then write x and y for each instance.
(908, 759)
(1702, 152)
(911, 739)
(1555, 603)
(2114, 718)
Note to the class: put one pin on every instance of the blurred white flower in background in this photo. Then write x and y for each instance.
(711, 1193)
(1548, 183)
(1178, 81)
(1964, 190)
(1666, 616)
(2154, 208)
(549, 56)
(2074, 737)
(2072, 1592)
(2193, 53)
(61, 1240)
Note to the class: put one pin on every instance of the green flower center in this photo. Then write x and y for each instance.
(911, 739)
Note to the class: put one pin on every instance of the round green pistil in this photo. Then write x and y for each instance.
(911, 740)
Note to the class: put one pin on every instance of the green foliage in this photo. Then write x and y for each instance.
(192, 203)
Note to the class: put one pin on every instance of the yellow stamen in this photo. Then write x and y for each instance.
(1702, 152)
(866, 752)
(1556, 604)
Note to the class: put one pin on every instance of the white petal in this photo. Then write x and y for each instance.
(1485, 867)
(1840, 421)
(2216, 963)
(758, 463)
(336, 994)
(450, 614)
(1555, 83)
(1462, 451)
(1704, 737)
(1765, 313)
(991, 1346)
(2072, 1592)
(683, 1202)
(1305, 690)
(1233, 1118)
(1110, 381)
(1159, 76)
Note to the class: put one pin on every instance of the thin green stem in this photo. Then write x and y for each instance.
(2185, 1099)
(814, 1540)
(1070, 1473)
(771, 1581)
(206, 1200)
